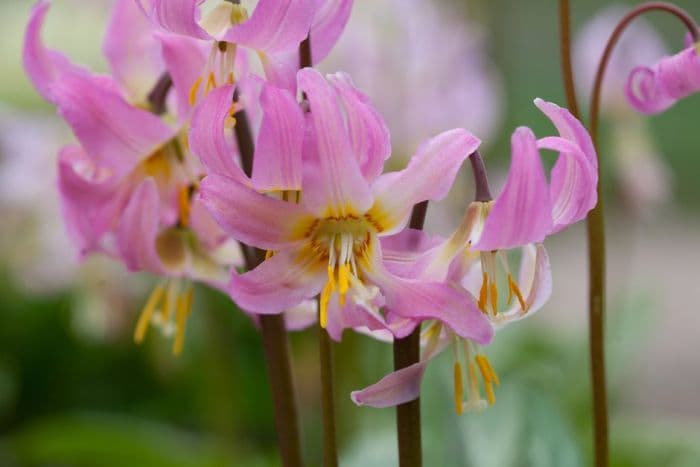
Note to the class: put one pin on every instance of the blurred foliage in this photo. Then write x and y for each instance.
(70, 401)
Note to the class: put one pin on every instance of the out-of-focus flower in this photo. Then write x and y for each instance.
(654, 89)
(527, 210)
(644, 181)
(273, 31)
(639, 45)
(424, 66)
(327, 241)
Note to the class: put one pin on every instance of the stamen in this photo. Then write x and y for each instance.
(323, 305)
(184, 207)
(147, 313)
(489, 377)
(494, 297)
(184, 308)
(269, 254)
(211, 83)
(343, 282)
(193, 91)
(483, 293)
(459, 388)
(514, 289)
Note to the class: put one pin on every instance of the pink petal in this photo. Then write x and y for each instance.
(395, 388)
(135, 62)
(177, 16)
(138, 228)
(428, 176)
(422, 300)
(43, 66)
(522, 213)
(251, 217)
(90, 201)
(333, 183)
(573, 183)
(209, 139)
(275, 26)
(277, 162)
(116, 134)
(185, 61)
(301, 316)
(279, 283)
(328, 24)
(653, 90)
(369, 135)
(280, 72)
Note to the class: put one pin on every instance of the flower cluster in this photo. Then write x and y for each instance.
(209, 136)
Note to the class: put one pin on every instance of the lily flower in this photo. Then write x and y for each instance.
(325, 239)
(127, 188)
(273, 31)
(527, 210)
(651, 90)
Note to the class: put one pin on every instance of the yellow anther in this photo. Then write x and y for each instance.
(147, 313)
(490, 395)
(193, 91)
(514, 289)
(483, 292)
(343, 282)
(211, 83)
(184, 206)
(184, 308)
(473, 381)
(230, 120)
(230, 79)
(238, 14)
(459, 389)
(323, 305)
(494, 297)
(269, 254)
(489, 377)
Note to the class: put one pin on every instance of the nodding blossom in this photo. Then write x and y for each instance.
(272, 31)
(528, 209)
(651, 90)
(127, 187)
(323, 234)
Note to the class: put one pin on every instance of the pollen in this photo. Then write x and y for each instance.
(184, 205)
(513, 289)
(483, 292)
(184, 308)
(194, 90)
(147, 313)
(459, 388)
(489, 376)
(211, 83)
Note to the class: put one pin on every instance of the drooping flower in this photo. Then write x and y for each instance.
(644, 180)
(652, 90)
(273, 32)
(127, 189)
(527, 210)
(324, 238)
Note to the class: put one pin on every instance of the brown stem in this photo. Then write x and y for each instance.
(481, 182)
(406, 353)
(330, 449)
(565, 51)
(156, 98)
(274, 334)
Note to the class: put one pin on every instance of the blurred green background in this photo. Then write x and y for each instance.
(76, 391)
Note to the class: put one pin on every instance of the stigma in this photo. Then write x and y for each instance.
(167, 308)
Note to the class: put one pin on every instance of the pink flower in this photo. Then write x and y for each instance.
(654, 89)
(324, 239)
(527, 210)
(273, 32)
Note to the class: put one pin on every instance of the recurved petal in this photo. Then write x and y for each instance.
(395, 388)
(43, 66)
(275, 26)
(369, 135)
(428, 176)
(184, 59)
(90, 199)
(573, 185)
(644, 93)
(177, 16)
(132, 51)
(116, 134)
(209, 137)
(328, 24)
(679, 75)
(251, 217)
(279, 283)
(277, 162)
(333, 182)
(424, 300)
(522, 213)
(138, 228)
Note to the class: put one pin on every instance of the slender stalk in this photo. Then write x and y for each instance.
(565, 52)
(274, 335)
(596, 225)
(156, 98)
(330, 449)
(406, 353)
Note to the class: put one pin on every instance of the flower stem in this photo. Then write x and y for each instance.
(156, 98)
(596, 268)
(406, 353)
(274, 334)
(596, 225)
(330, 449)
